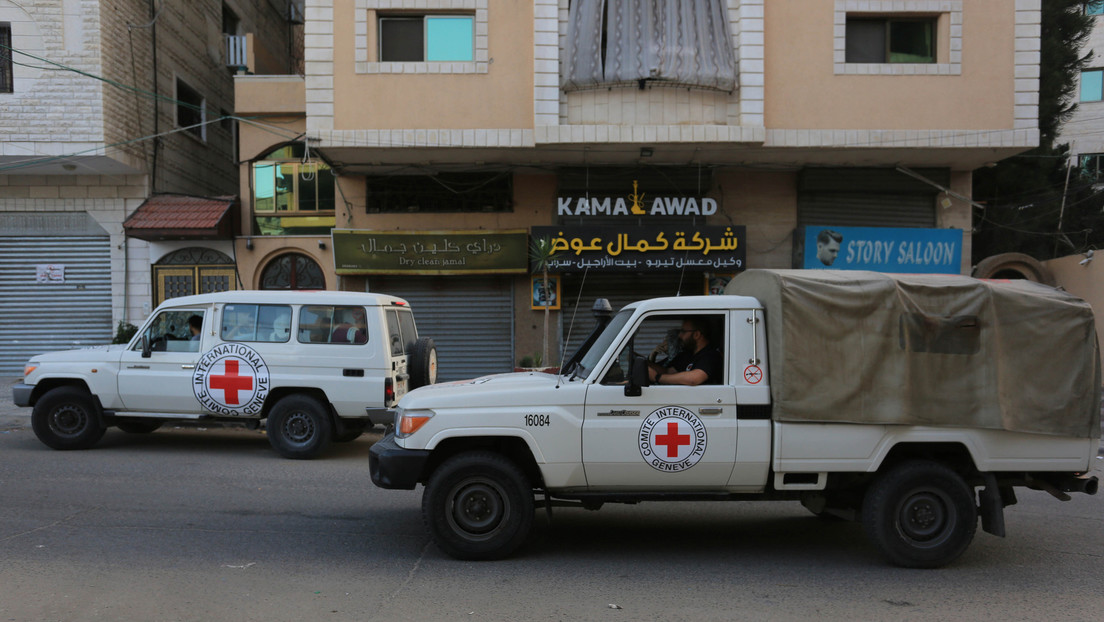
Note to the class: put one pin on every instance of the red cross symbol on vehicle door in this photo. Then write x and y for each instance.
(672, 440)
(230, 382)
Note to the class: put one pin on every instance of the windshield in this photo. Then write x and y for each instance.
(590, 359)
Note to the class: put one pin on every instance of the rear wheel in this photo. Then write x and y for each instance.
(478, 505)
(66, 418)
(920, 514)
(299, 427)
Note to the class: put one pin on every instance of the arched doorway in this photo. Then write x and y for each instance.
(191, 271)
(292, 271)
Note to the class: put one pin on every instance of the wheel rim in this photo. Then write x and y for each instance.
(478, 508)
(299, 428)
(926, 517)
(68, 420)
(433, 366)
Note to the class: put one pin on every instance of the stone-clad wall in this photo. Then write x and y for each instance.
(52, 112)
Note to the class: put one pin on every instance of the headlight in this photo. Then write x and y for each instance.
(408, 422)
(29, 369)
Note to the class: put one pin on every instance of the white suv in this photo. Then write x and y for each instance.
(317, 366)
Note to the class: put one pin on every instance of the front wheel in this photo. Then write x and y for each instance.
(478, 505)
(920, 514)
(66, 418)
(299, 427)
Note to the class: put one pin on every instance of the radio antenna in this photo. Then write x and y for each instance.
(570, 326)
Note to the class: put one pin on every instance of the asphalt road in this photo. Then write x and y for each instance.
(190, 524)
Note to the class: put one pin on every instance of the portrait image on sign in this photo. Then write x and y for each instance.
(232, 380)
(672, 439)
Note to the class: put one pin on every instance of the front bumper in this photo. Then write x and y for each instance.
(394, 467)
(21, 394)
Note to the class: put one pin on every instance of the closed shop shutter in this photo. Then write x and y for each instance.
(865, 197)
(470, 319)
(865, 210)
(620, 290)
(44, 317)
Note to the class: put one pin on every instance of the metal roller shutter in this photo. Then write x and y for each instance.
(620, 290)
(867, 197)
(470, 319)
(45, 317)
(865, 210)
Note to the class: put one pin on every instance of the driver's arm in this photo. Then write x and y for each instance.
(692, 377)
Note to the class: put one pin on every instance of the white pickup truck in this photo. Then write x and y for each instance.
(912, 403)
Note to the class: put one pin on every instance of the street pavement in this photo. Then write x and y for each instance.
(11, 416)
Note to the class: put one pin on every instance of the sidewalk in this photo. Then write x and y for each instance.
(11, 416)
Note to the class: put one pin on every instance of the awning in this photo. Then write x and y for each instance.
(182, 217)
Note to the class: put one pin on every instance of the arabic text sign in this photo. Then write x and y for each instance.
(883, 249)
(645, 249)
(430, 252)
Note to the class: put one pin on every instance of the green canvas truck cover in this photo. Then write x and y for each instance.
(938, 350)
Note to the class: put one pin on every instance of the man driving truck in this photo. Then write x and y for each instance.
(699, 362)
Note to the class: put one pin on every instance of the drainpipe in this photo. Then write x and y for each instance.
(156, 98)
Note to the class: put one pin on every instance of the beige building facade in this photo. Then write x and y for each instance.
(655, 159)
(104, 104)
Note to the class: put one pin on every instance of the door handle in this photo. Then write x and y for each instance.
(187, 366)
(710, 411)
(137, 366)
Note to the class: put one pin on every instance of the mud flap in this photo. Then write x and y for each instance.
(991, 507)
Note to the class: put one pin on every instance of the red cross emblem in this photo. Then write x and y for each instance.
(230, 382)
(672, 439)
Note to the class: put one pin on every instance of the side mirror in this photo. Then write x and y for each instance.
(638, 377)
(145, 346)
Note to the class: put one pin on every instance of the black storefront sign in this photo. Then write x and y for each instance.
(645, 248)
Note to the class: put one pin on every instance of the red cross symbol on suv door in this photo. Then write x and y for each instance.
(672, 439)
(230, 382)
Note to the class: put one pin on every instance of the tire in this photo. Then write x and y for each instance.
(138, 426)
(478, 505)
(422, 364)
(67, 418)
(920, 514)
(299, 427)
(353, 429)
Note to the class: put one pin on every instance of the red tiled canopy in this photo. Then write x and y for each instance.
(181, 217)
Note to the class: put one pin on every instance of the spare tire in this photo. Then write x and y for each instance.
(422, 364)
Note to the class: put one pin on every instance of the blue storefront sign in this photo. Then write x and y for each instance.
(881, 249)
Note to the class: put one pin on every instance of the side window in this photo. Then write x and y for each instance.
(179, 330)
(239, 323)
(264, 323)
(653, 332)
(333, 324)
(409, 332)
(673, 344)
(394, 333)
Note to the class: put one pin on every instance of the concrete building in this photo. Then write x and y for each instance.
(103, 105)
(1084, 131)
(657, 151)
